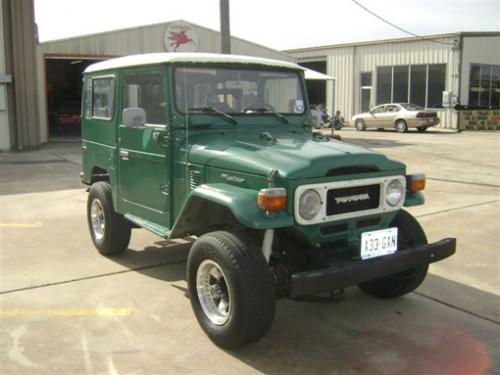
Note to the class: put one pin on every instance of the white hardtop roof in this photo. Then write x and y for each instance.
(183, 57)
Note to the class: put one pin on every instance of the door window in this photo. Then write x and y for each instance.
(146, 91)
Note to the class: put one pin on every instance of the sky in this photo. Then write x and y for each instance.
(278, 24)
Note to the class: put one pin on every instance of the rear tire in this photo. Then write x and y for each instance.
(401, 126)
(231, 288)
(360, 125)
(422, 129)
(110, 231)
(410, 234)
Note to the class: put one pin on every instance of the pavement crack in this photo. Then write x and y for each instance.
(458, 208)
(458, 308)
(88, 277)
(463, 182)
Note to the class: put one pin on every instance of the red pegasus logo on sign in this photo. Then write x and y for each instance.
(179, 39)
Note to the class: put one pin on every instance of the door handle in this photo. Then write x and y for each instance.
(123, 155)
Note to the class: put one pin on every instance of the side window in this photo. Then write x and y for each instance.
(146, 91)
(87, 98)
(379, 109)
(392, 108)
(103, 90)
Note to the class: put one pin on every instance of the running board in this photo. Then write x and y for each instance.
(158, 229)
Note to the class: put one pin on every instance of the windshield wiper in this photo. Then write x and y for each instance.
(268, 110)
(214, 110)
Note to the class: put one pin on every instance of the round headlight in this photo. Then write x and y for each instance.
(309, 204)
(394, 193)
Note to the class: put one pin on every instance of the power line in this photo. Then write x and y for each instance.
(399, 28)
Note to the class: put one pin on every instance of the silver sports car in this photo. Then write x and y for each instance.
(399, 116)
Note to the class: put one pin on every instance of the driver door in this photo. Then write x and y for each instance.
(143, 165)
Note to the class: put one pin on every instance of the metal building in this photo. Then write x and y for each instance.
(18, 103)
(458, 73)
(61, 62)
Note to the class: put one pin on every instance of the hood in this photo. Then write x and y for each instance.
(294, 154)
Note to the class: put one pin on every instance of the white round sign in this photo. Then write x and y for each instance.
(181, 37)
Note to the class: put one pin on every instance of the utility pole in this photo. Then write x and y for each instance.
(225, 33)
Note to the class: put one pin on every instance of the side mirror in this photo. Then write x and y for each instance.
(316, 118)
(134, 117)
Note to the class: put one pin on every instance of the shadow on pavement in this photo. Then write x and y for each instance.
(378, 143)
(165, 260)
(409, 335)
(443, 328)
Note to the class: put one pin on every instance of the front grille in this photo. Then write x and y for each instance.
(352, 199)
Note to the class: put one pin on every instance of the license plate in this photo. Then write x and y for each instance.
(379, 243)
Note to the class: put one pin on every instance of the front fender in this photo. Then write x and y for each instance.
(241, 202)
(414, 199)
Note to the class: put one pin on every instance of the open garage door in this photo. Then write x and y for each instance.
(316, 89)
(64, 94)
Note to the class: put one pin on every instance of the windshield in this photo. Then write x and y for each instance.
(238, 91)
(411, 107)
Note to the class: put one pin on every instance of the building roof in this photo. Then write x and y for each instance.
(183, 57)
(396, 40)
(152, 25)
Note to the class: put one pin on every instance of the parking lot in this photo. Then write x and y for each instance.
(66, 309)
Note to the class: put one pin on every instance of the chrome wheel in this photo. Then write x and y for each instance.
(97, 219)
(401, 126)
(213, 292)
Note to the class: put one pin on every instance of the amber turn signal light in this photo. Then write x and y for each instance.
(272, 199)
(415, 182)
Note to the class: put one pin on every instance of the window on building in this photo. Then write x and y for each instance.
(366, 91)
(400, 85)
(495, 86)
(436, 85)
(419, 84)
(146, 91)
(418, 79)
(102, 97)
(484, 85)
(366, 79)
(384, 84)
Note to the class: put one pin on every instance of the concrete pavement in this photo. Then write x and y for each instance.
(66, 309)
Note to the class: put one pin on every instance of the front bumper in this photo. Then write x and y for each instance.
(345, 273)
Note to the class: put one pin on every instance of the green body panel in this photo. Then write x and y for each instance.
(156, 172)
(414, 199)
(242, 203)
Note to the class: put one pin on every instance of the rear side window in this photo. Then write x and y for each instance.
(86, 98)
(103, 90)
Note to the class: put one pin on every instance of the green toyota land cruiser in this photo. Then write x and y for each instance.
(223, 147)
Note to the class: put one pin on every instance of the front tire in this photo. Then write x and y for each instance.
(410, 234)
(110, 231)
(231, 289)
(360, 125)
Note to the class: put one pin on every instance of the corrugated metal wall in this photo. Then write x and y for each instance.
(346, 63)
(478, 50)
(146, 39)
(21, 61)
(4, 112)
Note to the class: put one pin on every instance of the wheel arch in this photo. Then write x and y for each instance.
(219, 206)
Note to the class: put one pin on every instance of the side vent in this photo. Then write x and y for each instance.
(195, 179)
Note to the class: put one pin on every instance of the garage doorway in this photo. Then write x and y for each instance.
(63, 83)
(316, 89)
